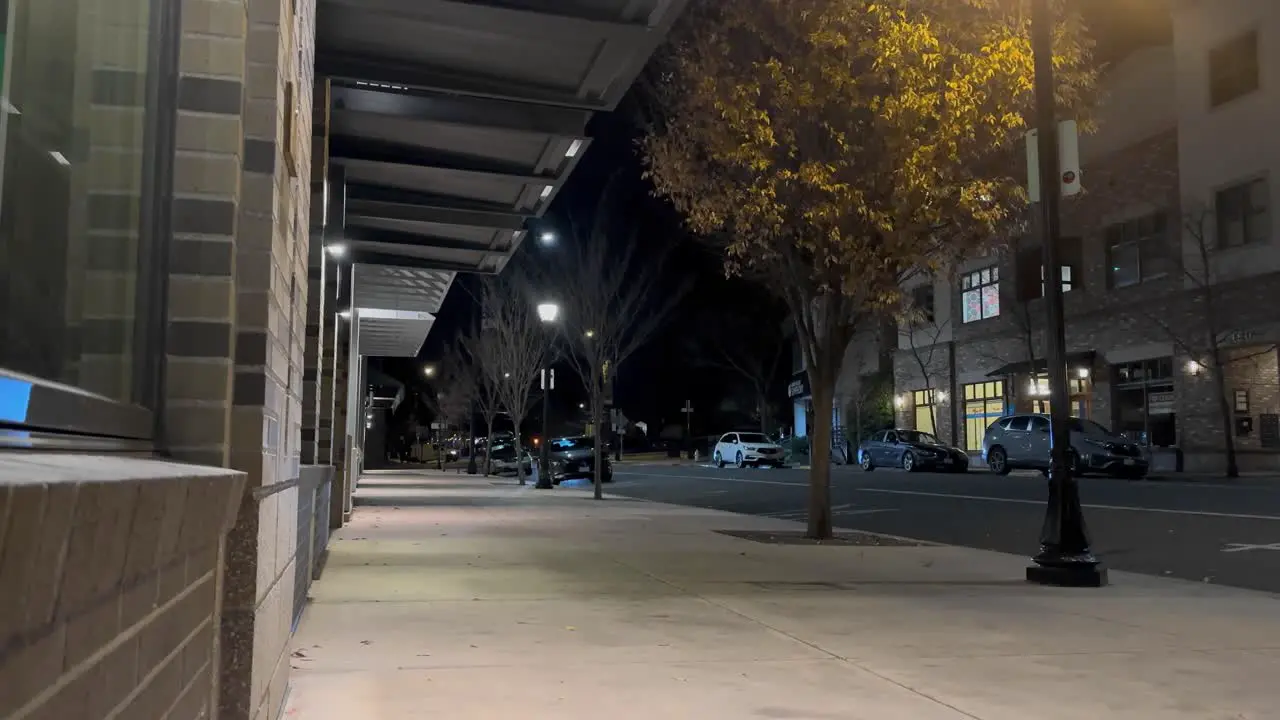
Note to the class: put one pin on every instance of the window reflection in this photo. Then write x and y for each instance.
(72, 140)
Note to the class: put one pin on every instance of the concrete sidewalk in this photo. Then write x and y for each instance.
(455, 597)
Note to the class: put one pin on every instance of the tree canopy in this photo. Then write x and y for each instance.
(837, 145)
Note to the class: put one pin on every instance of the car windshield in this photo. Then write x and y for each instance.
(573, 443)
(753, 438)
(1087, 427)
(915, 436)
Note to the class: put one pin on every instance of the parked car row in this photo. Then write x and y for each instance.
(1013, 442)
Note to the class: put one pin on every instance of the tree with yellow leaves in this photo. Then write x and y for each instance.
(835, 147)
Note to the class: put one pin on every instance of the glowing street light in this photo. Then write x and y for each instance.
(429, 371)
(547, 238)
(337, 250)
(590, 333)
(548, 312)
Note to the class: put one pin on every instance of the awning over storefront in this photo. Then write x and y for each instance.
(455, 123)
(1080, 359)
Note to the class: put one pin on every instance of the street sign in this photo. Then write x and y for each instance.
(1068, 161)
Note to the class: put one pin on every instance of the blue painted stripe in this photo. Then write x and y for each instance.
(15, 400)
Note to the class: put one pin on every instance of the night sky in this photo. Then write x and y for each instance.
(655, 382)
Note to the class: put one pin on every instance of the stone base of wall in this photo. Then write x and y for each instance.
(1212, 462)
(110, 571)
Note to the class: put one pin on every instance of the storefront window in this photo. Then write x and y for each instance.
(1144, 409)
(924, 402)
(79, 149)
(1079, 390)
(983, 405)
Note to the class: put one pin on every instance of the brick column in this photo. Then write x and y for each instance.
(266, 417)
(319, 307)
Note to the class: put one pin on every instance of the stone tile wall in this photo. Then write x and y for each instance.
(272, 244)
(109, 586)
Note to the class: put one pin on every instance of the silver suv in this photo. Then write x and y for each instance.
(1022, 442)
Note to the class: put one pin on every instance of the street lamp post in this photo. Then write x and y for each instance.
(547, 313)
(1065, 557)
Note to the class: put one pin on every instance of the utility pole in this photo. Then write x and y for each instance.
(1065, 558)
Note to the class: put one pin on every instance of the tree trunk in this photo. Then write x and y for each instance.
(1224, 407)
(762, 406)
(823, 391)
(597, 476)
(519, 456)
(488, 447)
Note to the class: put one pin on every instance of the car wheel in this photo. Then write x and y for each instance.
(719, 459)
(867, 465)
(740, 462)
(909, 461)
(998, 461)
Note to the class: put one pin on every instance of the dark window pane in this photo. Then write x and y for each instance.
(1233, 69)
(74, 151)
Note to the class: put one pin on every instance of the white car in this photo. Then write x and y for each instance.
(747, 448)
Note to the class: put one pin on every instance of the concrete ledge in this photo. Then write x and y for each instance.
(109, 573)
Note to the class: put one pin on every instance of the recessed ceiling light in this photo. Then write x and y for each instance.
(546, 192)
(574, 147)
(59, 158)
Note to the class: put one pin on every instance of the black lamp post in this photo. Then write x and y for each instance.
(544, 456)
(547, 313)
(1065, 557)
(471, 442)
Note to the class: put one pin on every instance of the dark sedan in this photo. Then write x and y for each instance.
(574, 457)
(910, 450)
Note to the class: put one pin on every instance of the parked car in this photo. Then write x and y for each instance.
(747, 448)
(502, 459)
(910, 450)
(1022, 442)
(574, 457)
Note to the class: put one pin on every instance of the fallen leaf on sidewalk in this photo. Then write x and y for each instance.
(570, 628)
(299, 654)
(366, 642)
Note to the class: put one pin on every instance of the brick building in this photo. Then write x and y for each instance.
(1180, 161)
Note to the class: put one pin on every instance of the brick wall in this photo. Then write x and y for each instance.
(109, 577)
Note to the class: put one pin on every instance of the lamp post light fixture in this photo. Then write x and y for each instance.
(548, 312)
(547, 238)
(429, 371)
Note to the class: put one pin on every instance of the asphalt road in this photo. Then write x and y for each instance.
(1219, 533)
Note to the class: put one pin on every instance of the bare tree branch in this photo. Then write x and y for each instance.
(607, 282)
(520, 348)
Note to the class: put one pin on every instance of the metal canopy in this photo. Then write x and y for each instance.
(394, 307)
(455, 122)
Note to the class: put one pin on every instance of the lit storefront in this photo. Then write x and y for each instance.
(983, 404)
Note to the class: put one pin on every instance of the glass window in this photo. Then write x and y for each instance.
(980, 294)
(922, 302)
(984, 404)
(924, 401)
(79, 149)
(1233, 69)
(1242, 214)
(1067, 284)
(753, 438)
(1039, 424)
(1138, 250)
